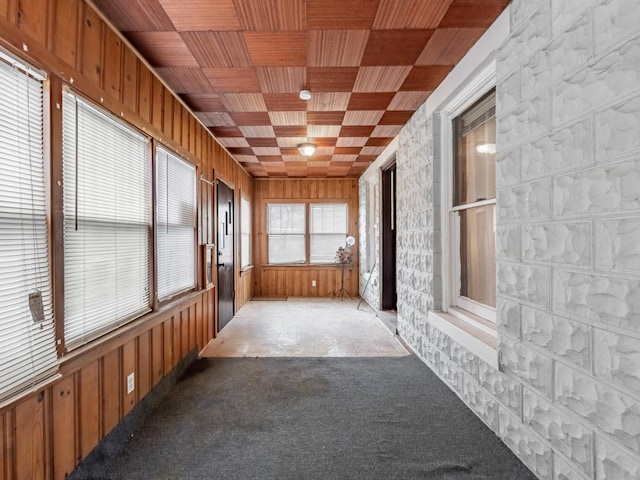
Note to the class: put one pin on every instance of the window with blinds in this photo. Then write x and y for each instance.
(245, 232)
(106, 172)
(175, 224)
(327, 231)
(286, 229)
(27, 336)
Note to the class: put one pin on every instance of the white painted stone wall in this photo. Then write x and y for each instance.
(568, 243)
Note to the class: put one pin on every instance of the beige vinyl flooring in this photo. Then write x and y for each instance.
(305, 327)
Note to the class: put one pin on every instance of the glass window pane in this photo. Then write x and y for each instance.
(475, 150)
(286, 218)
(324, 247)
(328, 218)
(245, 232)
(286, 249)
(478, 255)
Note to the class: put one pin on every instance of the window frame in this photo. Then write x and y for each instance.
(176, 293)
(244, 199)
(479, 315)
(34, 358)
(307, 233)
(95, 334)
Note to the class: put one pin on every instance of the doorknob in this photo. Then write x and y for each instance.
(221, 264)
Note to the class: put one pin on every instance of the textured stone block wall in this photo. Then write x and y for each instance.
(568, 243)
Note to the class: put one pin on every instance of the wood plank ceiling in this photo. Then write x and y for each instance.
(240, 65)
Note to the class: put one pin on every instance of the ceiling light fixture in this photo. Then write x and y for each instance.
(305, 95)
(307, 149)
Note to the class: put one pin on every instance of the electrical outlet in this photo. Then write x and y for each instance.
(313, 283)
(131, 383)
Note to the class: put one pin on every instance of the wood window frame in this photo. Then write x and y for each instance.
(307, 234)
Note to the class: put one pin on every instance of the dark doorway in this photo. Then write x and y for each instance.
(388, 270)
(225, 238)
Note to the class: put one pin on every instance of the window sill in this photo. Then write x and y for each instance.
(475, 334)
(246, 269)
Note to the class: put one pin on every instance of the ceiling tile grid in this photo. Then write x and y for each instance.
(240, 65)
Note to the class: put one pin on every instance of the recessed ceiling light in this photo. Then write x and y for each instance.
(305, 95)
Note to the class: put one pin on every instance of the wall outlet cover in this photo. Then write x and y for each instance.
(131, 383)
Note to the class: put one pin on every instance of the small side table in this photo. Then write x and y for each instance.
(342, 292)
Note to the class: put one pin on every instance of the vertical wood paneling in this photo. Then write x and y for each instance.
(167, 113)
(112, 64)
(157, 348)
(64, 427)
(4, 13)
(3, 446)
(185, 127)
(89, 407)
(176, 131)
(32, 19)
(144, 364)
(91, 45)
(177, 339)
(193, 326)
(145, 86)
(65, 33)
(110, 390)
(128, 367)
(31, 438)
(168, 345)
(184, 333)
(157, 109)
(130, 80)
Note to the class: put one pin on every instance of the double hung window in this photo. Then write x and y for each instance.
(27, 337)
(107, 225)
(245, 232)
(474, 208)
(175, 224)
(290, 237)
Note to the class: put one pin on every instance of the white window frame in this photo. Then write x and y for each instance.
(470, 323)
(245, 219)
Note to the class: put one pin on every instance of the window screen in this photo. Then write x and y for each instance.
(106, 171)
(286, 223)
(27, 341)
(176, 224)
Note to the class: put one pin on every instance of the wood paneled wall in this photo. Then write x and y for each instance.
(46, 433)
(296, 280)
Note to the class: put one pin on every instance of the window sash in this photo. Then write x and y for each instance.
(286, 230)
(328, 230)
(28, 352)
(472, 248)
(175, 224)
(107, 235)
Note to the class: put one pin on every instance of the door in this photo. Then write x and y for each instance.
(225, 241)
(388, 270)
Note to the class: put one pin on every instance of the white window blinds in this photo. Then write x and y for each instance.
(176, 224)
(245, 232)
(286, 230)
(106, 171)
(328, 229)
(27, 341)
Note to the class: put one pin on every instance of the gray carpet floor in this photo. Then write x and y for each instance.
(311, 418)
